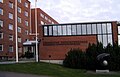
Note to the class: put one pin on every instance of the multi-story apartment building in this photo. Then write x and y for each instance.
(8, 27)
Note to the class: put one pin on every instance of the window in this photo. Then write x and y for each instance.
(100, 38)
(42, 23)
(94, 31)
(118, 39)
(105, 40)
(104, 28)
(69, 30)
(10, 48)
(46, 18)
(41, 15)
(54, 30)
(1, 23)
(110, 39)
(59, 30)
(26, 23)
(19, 9)
(1, 47)
(50, 30)
(1, 35)
(10, 27)
(26, 13)
(19, 1)
(19, 19)
(49, 20)
(19, 39)
(10, 37)
(11, 4)
(99, 28)
(78, 29)
(1, 1)
(26, 4)
(26, 32)
(19, 29)
(10, 15)
(73, 29)
(64, 30)
(1, 11)
(89, 31)
(83, 29)
(109, 28)
(45, 31)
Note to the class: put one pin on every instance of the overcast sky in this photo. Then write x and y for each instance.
(73, 11)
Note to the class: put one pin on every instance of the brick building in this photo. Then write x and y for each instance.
(8, 27)
(58, 39)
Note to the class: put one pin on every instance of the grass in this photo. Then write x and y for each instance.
(52, 70)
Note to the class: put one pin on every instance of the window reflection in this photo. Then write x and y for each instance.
(89, 31)
(59, 30)
(50, 30)
(99, 29)
(109, 28)
(104, 28)
(105, 40)
(94, 31)
(84, 29)
(69, 29)
(100, 38)
(64, 29)
(45, 31)
(73, 29)
(110, 39)
(78, 29)
(54, 30)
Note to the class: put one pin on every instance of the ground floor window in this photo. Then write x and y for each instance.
(1, 47)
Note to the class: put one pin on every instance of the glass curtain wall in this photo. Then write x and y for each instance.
(102, 30)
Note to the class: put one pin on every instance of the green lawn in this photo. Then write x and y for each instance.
(52, 70)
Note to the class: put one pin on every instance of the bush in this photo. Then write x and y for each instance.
(75, 58)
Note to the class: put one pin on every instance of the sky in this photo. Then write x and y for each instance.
(75, 11)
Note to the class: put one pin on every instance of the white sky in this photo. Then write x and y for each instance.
(73, 11)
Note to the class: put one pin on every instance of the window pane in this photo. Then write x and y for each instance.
(59, 30)
(54, 30)
(1, 23)
(1, 11)
(109, 28)
(89, 29)
(104, 28)
(94, 31)
(118, 39)
(105, 40)
(73, 29)
(110, 39)
(78, 29)
(100, 38)
(10, 26)
(83, 29)
(99, 29)
(1, 47)
(50, 30)
(118, 29)
(45, 31)
(69, 29)
(64, 30)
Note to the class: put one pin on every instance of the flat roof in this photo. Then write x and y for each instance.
(81, 23)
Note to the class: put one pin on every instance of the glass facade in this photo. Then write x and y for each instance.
(102, 30)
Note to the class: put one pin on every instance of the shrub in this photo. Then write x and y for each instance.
(75, 58)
